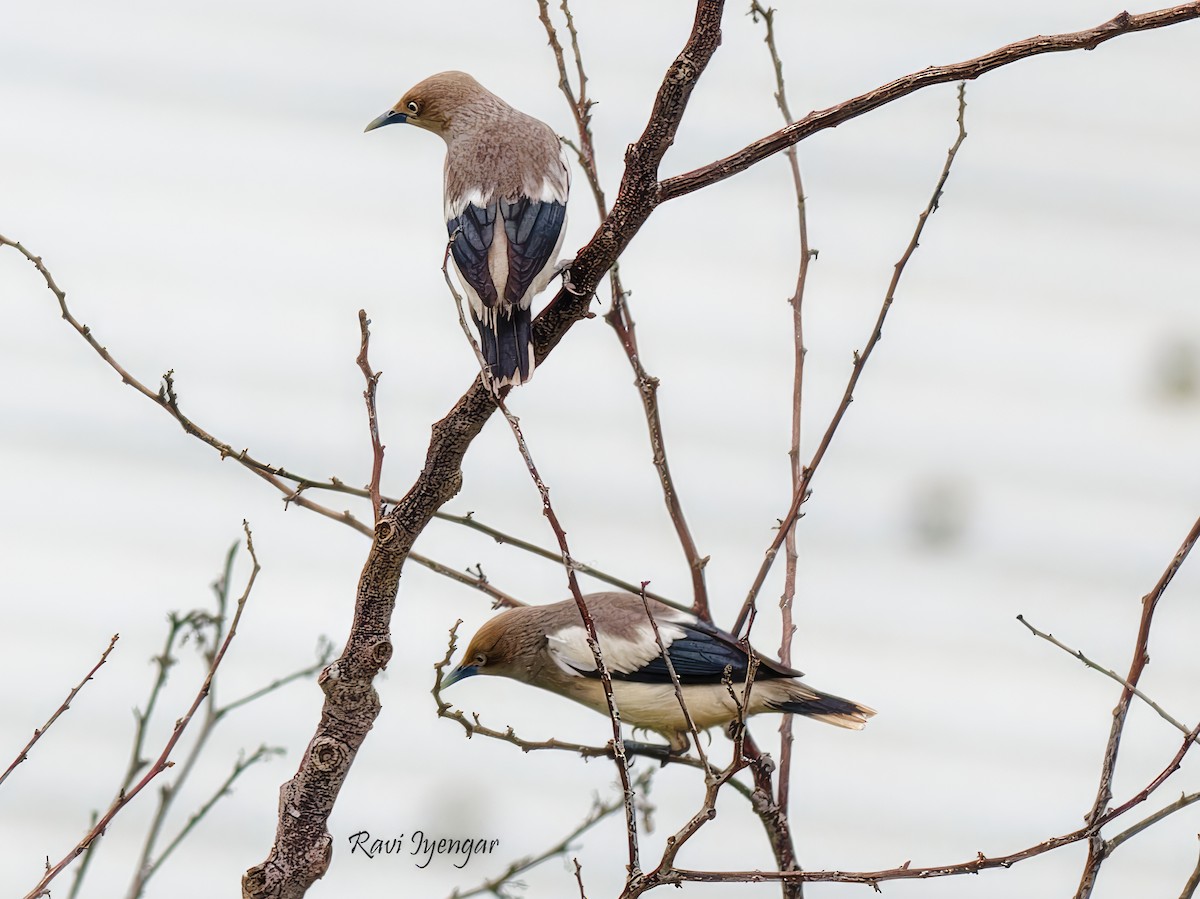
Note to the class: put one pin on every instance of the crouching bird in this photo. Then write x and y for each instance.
(506, 186)
(546, 646)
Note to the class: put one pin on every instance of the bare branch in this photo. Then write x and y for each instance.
(167, 399)
(469, 521)
(600, 811)
(1088, 39)
(372, 378)
(791, 555)
(860, 361)
(1189, 888)
(1050, 638)
(618, 744)
(1182, 802)
(163, 761)
(1141, 657)
(66, 704)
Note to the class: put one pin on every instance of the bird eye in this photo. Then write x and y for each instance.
(480, 660)
(413, 107)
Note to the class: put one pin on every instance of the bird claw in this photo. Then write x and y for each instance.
(660, 751)
(563, 267)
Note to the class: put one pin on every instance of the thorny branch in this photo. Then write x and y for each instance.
(620, 318)
(39, 732)
(791, 555)
(167, 399)
(600, 811)
(163, 761)
(1088, 39)
(372, 378)
(1108, 672)
(860, 361)
(1097, 848)
(614, 714)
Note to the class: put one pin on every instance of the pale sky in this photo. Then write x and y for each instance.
(197, 179)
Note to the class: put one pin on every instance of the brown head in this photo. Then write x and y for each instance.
(506, 646)
(437, 102)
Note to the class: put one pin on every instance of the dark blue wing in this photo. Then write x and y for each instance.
(532, 228)
(701, 656)
(475, 228)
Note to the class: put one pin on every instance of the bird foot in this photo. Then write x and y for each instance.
(660, 751)
(563, 267)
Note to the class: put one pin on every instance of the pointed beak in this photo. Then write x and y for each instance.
(458, 674)
(391, 117)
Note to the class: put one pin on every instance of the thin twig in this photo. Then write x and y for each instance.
(614, 714)
(1089, 39)
(791, 555)
(38, 732)
(377, 447)
(262, 754)
(1189, 888)
(168, 792)
(860, 361)
(1141, 657)
(167, 399)
(906, 871)
(469, 521)
(619, 316)
(600, 811)
(1182, 802)
(666, 657)
(1050, 638)
(163, 761)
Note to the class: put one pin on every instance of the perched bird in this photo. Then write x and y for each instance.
(546, 646)
(506, 186)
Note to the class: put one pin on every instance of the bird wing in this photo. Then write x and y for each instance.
(532, 228)
(472, 232)
(700, 653)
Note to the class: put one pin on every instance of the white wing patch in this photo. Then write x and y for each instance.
(570, 651)
(473, 197)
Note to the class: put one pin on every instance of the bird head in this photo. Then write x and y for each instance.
(433, 103)
(501, 648)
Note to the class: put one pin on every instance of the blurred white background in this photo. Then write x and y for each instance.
(1023, 441)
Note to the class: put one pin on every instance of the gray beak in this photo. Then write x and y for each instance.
(458, 674)
(391, 117)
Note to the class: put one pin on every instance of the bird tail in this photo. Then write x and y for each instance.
(804, 700)
(506, 339)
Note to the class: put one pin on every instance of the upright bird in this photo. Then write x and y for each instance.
(546, 646)
(506, 186)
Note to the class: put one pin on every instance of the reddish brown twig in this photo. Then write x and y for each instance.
(1141, 657)
(377, 447)
(1088, 39)
(906, 871)
(1108, 672)
(619, 316)
(666, 657)
(39, 732)
(614, 714)
(469, 521)
(167, 399)
(164, 759)
(796, 302)
(860, 361)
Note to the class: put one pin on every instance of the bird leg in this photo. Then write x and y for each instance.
(563, 267)
(660, 751)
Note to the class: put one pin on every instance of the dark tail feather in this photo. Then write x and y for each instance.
(508, 349)
(824, 707)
